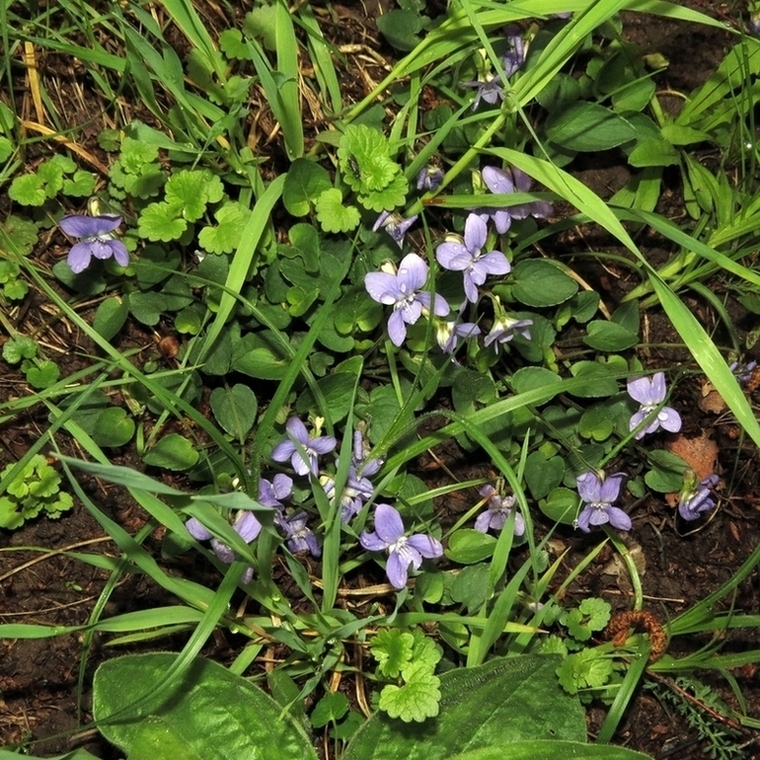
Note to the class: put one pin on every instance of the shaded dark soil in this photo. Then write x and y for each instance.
(39, 678)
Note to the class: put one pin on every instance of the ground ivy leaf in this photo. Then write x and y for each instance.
(18, 348)
(45, 374)
(6, 148)
(227, 236)
(186, 193)
(584, 669)
(28, 190)
(136, 153)
(597, 611)
(157, 222)
(426, 651)
(333, 216)
(365, 160)
(392, 196)
(417, 699)
(15, 290)
(22, 232)
(393, 651)
(80, 185)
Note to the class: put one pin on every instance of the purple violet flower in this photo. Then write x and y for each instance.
(599, 493)
(356, 492)
(497, 512)
(696, 498)
(402, 550)
(506, 182)
(448, 334)
(246, 526)
(299, 537)
(743, 372)
(96, 240)
(504, 329)
(361, 449)
(395, 225)
(312, 447)
(490, 90)
(272, 494)
(650, 393)
(469, 258)
(402, 291)
(429, 178)
(514, 58)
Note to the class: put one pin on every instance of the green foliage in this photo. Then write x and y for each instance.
(31, 491)
(53, 176)
(369, 170)
(202, 708)
(410, 658)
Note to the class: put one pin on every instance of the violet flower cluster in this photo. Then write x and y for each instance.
(96, 239)
(650, 393)
(403, 551)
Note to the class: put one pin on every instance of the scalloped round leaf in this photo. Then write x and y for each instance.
(158, 222)
(198, 716)
(392, 196)
(172, 452)
(332, 215)
(235, 409)
(538, 282)
(45, 374)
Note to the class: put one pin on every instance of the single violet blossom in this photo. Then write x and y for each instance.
(599, 493)
(448, 334)
(395, 225)
(273, 493)
(697, 498)
(356, 492)
(650, 393)
(360, 456)
(504, 329)
(505, 182)
(429, 178)
(743, 372)
(514, 58)
(313, 448)
(298, 536)
(95, 240)
(468, 257)
(490, 90)
(402, 291)
(402, 550)
(246, 526)
(495, 516)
